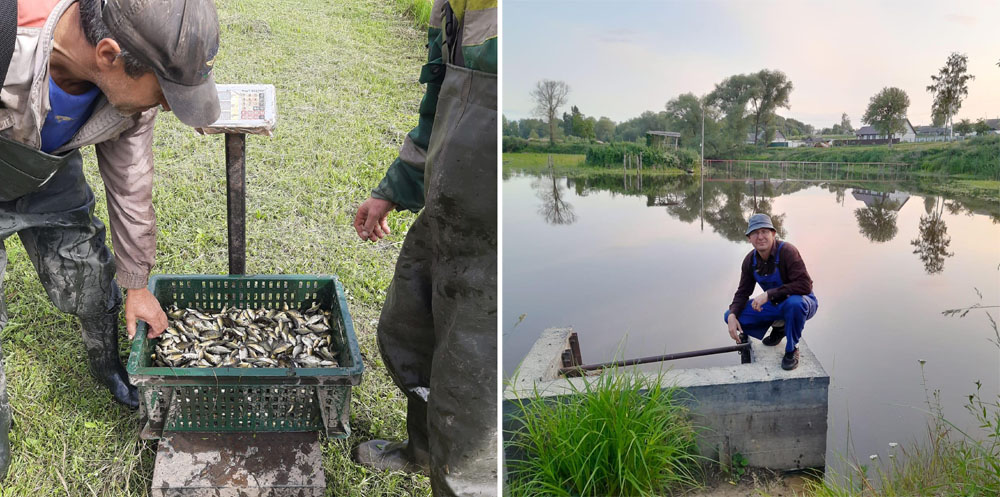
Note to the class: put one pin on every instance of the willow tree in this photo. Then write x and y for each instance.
(772, 91)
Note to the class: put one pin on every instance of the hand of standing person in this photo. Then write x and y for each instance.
(141, 304)
(370, 221)
(734, 328)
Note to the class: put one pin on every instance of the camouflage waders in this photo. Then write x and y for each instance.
(66, 244)
(437, 332)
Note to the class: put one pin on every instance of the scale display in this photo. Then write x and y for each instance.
(248, 109)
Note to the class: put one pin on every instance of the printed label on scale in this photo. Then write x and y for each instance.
(247, 107)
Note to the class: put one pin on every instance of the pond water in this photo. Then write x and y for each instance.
(640, 268)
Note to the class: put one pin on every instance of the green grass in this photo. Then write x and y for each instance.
(419, 9)
(347, 93)
(620, 434)
(567, 164)
(540, 160)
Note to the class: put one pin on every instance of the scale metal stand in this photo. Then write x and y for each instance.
(196, 464)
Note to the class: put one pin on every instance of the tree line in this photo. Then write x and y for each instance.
(741, 110)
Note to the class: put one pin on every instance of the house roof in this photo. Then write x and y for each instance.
(931, 130)
(869, 130)
(778, 136)
(993, 123)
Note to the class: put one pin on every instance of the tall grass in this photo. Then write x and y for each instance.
(951, 462)
(620, 434)
(419, 9)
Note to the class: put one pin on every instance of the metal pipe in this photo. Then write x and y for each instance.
(236, 205)
(575, 371)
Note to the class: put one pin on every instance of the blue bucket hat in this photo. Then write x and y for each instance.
(758, 221)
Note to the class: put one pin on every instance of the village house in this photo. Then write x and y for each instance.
(869, 133)
(779, 139)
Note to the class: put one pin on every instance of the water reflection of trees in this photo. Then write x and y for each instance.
(554, 208)
(877, 219)
(932, 243)
(727, 204)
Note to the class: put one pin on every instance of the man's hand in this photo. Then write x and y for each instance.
(141, 304)
(734, 328)
(370, 220)
(759, 301)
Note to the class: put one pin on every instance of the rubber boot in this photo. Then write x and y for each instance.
(5, 423)
(777, 334)
(394, 456)
(100, 338)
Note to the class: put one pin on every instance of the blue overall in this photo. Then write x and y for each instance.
(795, 309)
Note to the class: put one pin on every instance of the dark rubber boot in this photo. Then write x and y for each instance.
(395, 456)
(5, 424)
(777, 334)
(790, 360)
(100, 338)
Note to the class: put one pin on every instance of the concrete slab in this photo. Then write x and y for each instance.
(192, 464)
(776, 418)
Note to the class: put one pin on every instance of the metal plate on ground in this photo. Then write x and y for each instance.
(193, 464)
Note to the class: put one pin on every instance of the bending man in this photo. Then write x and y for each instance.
(91, 72)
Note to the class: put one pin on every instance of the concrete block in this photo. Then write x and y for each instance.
(776, 418)
(190, 464)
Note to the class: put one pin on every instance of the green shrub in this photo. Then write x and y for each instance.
(513, 144)
(687, 158)
(621, 434)
(611, 155)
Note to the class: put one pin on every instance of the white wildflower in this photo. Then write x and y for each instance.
(873, 457)
(893, 445)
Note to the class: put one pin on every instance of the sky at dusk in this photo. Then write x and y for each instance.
(622, 58)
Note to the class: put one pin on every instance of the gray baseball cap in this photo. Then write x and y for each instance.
(758, 221)
(179, 40)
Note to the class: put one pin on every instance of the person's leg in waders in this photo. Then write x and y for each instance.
(5, 410)
(437, 332)
(461, 183)
(406, 344)
(66, 244)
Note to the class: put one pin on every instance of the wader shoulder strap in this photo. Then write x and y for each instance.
(8, 35)
(452, 51)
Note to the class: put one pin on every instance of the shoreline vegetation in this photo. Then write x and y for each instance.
(576, 165)
(976, 158)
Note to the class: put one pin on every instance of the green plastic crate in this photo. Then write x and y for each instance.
(248, 399)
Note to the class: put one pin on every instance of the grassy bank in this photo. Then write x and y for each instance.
(347, 92)
(949, 462)
(568, 164)
(973, 158)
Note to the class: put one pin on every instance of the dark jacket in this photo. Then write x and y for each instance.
(791, 268)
